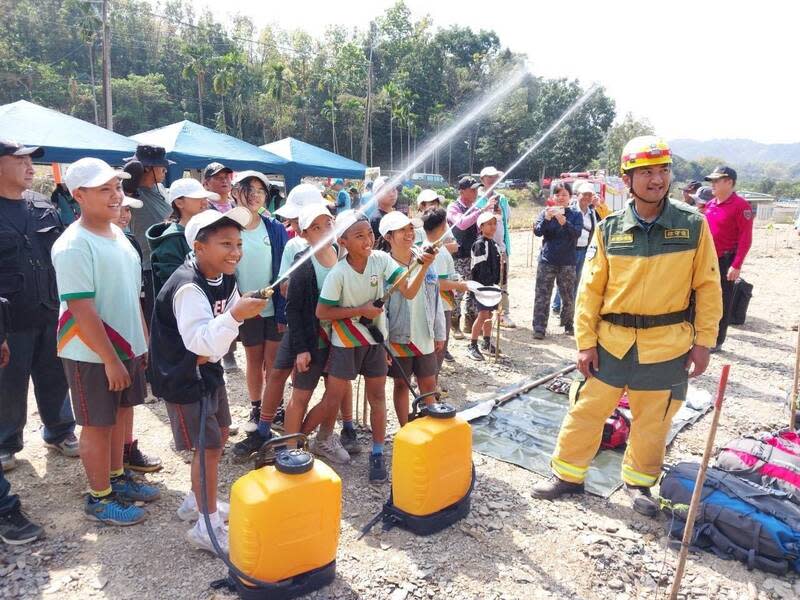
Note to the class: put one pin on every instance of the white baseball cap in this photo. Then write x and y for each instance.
(239, 215)
(91, 172)
(311, 212)
(189, 188)
(346, 219)
(300, 196)
(584, 187)
(392, 222)
(132, 202)
(429, 196)
(486, 216)
(490, 172)
(242, 175)
(379, 184)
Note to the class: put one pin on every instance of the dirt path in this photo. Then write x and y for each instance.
(510, 546)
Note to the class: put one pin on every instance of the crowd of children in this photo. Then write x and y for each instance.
(322, 321)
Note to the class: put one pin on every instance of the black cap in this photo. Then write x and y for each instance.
(466, 183)
(11, 148)
(151, 156)
(214, 168)
(691, 186)
(704, 194)
(720, 172)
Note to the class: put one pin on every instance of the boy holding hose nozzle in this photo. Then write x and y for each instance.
(417, 328)
(348, 293)
(196, 318)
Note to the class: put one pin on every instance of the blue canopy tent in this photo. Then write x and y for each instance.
(193, 146)
(307, 159)
(65, 139)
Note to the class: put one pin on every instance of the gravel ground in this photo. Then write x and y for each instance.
(510, 546)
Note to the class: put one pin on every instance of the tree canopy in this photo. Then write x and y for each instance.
(170, 63)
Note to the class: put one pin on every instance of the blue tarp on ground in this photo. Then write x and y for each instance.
(193, 146)
(65, 139)
(309, 160)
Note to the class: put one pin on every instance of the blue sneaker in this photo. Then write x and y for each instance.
(113, 511)
(127, 488)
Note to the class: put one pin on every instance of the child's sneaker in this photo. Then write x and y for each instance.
(349, 440)
(113, 511)
(473, 352)
(331, 449)
(127, 488)
(199, 538)
(188, 510)
(488, 346)
(377, 468)
(136, 460)
(252, 421)
(278, 419)
(244, 450)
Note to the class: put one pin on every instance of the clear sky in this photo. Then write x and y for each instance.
(701, 69)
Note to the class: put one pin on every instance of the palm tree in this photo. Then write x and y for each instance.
(224, 80)
(329, 112)
(330, 83)
(392, 92)
(352, 107)
(436, 116)
(278, 85)
(196, 67)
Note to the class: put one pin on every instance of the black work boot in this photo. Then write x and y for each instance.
(555, 488)
(642, 500)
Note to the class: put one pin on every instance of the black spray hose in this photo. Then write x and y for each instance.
(205, 399)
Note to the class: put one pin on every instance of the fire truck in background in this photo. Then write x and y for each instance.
(610, 188)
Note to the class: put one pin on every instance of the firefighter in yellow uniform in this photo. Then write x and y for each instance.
(643, 268)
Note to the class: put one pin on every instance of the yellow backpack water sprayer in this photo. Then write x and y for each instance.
(284, 521)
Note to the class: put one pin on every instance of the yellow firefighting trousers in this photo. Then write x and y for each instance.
(592, 402)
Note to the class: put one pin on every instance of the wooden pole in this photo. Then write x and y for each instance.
(499, 311)
(795, 383)
(698, 485)
(532, 257)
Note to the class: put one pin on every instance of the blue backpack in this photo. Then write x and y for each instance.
(737, 519)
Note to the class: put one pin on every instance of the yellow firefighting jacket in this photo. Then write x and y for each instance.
(630, 270)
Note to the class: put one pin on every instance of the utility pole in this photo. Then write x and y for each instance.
(368, 109)
(107, 67)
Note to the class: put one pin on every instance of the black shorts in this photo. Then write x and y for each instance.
(284, 361)
(92, 402)
(421, 366)
(256, 331)
(481, 307)
(347, 363)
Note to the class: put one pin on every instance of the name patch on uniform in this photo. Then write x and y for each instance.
(621, 238)
(672, 234)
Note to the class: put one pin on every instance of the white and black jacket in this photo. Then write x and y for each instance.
(191, 318)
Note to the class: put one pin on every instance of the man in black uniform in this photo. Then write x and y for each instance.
(28, 228)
